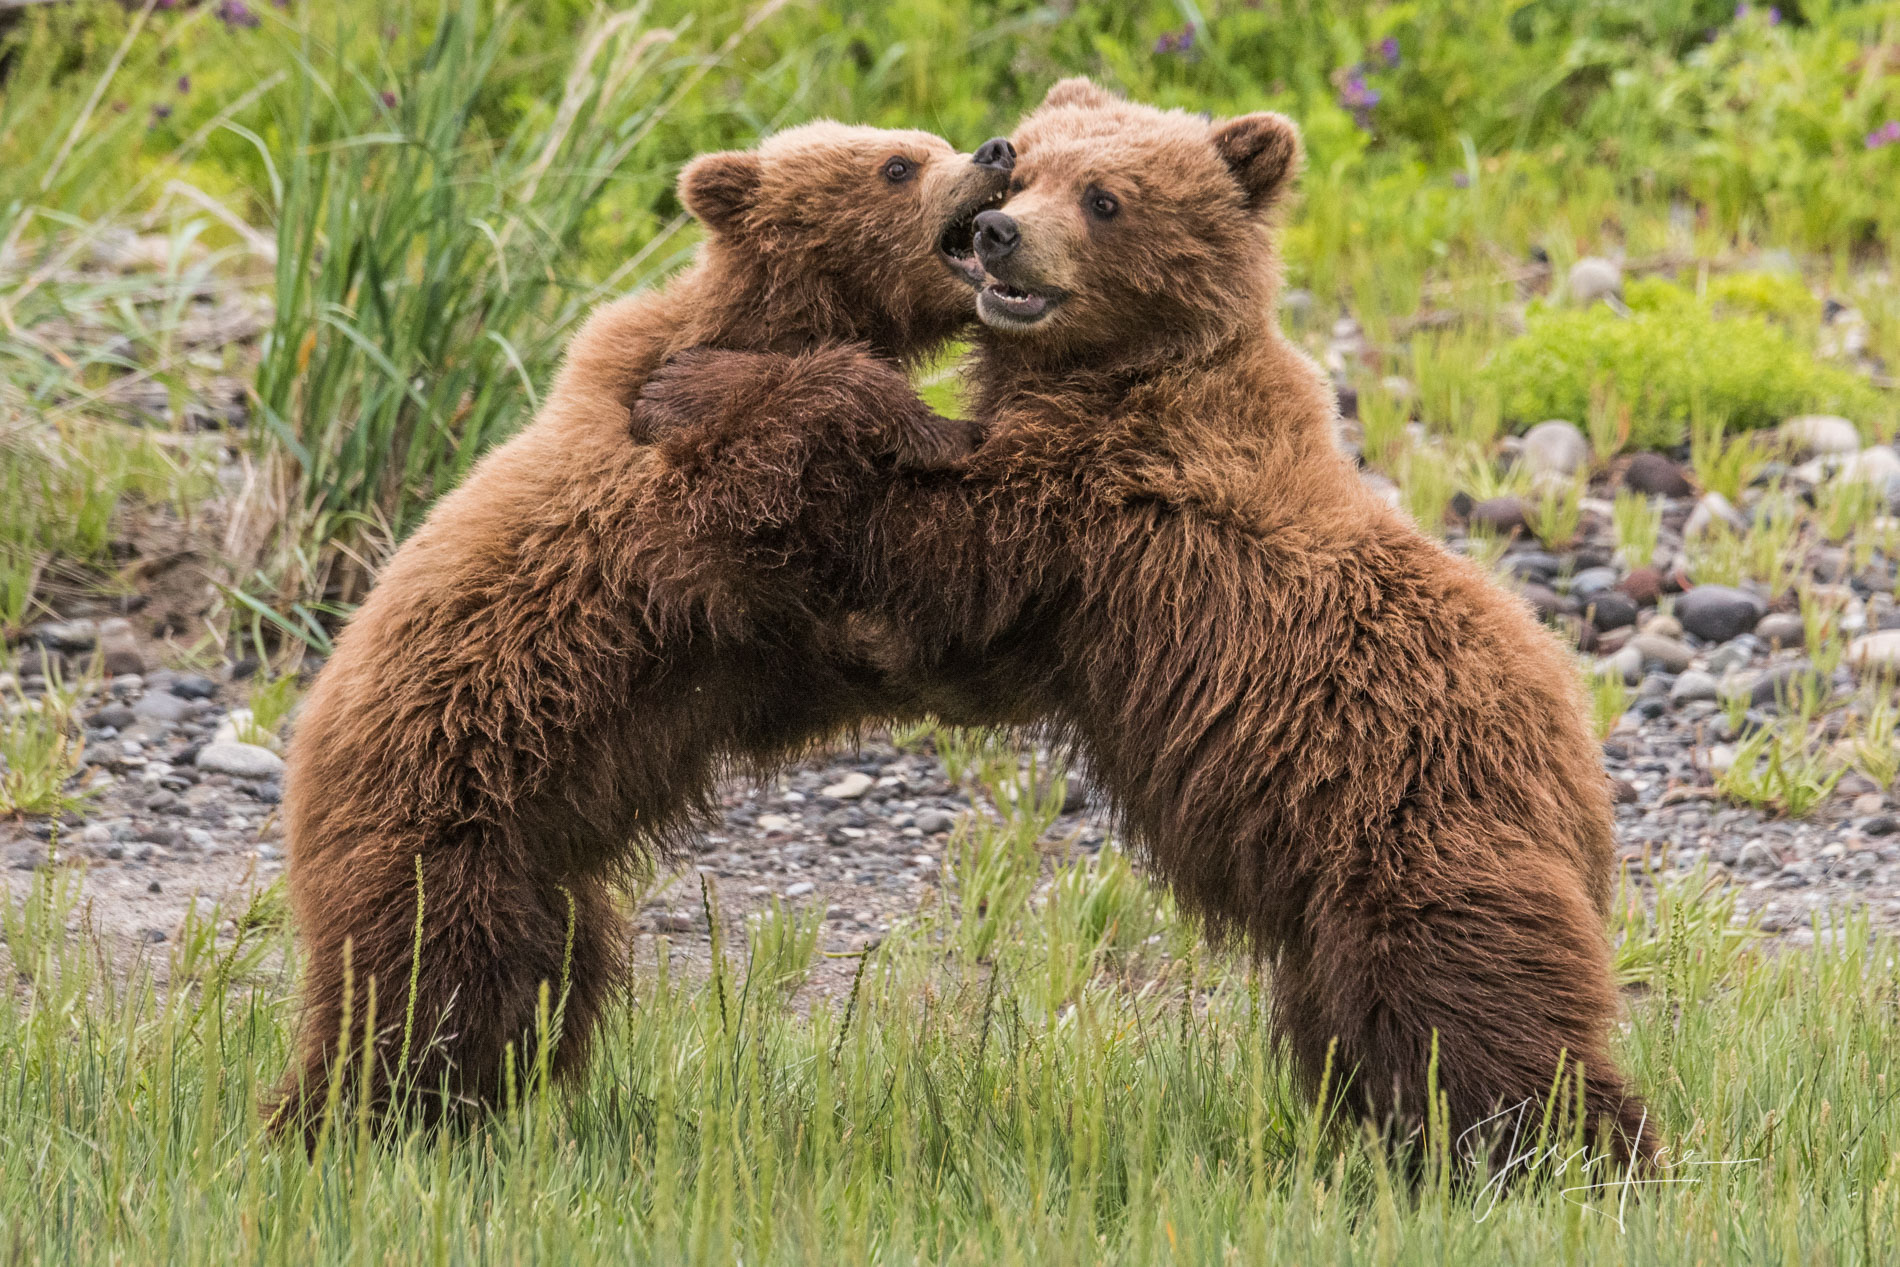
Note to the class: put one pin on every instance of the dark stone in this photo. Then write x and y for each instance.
(1778, 683)
(73, 636)
(1611, 610)
(194, 686)
(1530, 565)
(1502, 515)
(1656, 475)
(117, 716)
(121, 658)
(1719, 612)
(1592, 581)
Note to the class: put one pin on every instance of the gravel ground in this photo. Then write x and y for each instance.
(177, 815)
(180, 811)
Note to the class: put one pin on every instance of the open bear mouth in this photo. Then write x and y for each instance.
(1001, 304)
(957, 245)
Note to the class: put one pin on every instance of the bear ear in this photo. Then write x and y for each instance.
(1077, 91)
(1262, 151)
(718, 188)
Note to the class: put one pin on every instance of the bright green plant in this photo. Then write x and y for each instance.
(1665, 366)
(1780, 297)
(782, 942)
(1722, 464)
(1426, 487)
(1877, 741)
(1557, 513)
(41, 747)
(1716, 556)
(1382, 419)
(1821, 630)
(1637, 521)
(1609, 700)
(1845, 506)
(1783, 768)
(420, 291)
(273, 696)
(1481, 476)
(1607, 423)
(1773, 544)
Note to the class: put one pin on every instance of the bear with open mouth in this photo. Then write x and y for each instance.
(1346, 750)
(548, 677)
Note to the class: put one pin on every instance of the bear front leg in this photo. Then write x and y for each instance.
(1507, 972)
(754, 440)
(496, 926)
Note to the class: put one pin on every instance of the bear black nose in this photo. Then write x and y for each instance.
(996, 152)
(996, 236)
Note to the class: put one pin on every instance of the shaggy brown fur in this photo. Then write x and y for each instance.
(548, 676)
(1342, 746)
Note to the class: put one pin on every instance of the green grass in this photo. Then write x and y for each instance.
(1669, 358)
(433, 191)
(41, 746)
(1086, 1084)
(1047, 1065)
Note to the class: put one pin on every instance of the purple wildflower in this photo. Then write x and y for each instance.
(1356, 93)
(1461, 180)
(160, 113)
(1389, 50)
(236, 14)
(389, 99)
(1886, 134)
(1774, 15)
(1176, 41)
(184, 84)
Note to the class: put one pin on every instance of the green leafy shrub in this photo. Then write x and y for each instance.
(1779, 297)
(1670, 358)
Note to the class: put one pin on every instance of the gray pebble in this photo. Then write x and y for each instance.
(240, 760)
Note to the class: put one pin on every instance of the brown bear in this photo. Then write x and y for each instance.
(549, 675)
(1343, 747)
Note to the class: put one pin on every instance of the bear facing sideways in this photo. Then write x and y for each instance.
(549, 675)
(1344, 749)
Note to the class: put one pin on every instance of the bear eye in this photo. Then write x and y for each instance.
(1102, 204)
(897, 170)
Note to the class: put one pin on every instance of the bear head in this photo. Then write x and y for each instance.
(851, 232)
(1131, 231)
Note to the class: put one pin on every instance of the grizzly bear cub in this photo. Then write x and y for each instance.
(547, 678)
(1341, 746)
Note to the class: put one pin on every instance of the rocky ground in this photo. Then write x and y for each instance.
(182, 808)
(182, 799)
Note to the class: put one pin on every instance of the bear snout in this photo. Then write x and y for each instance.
(996, 237)
(996, 153)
